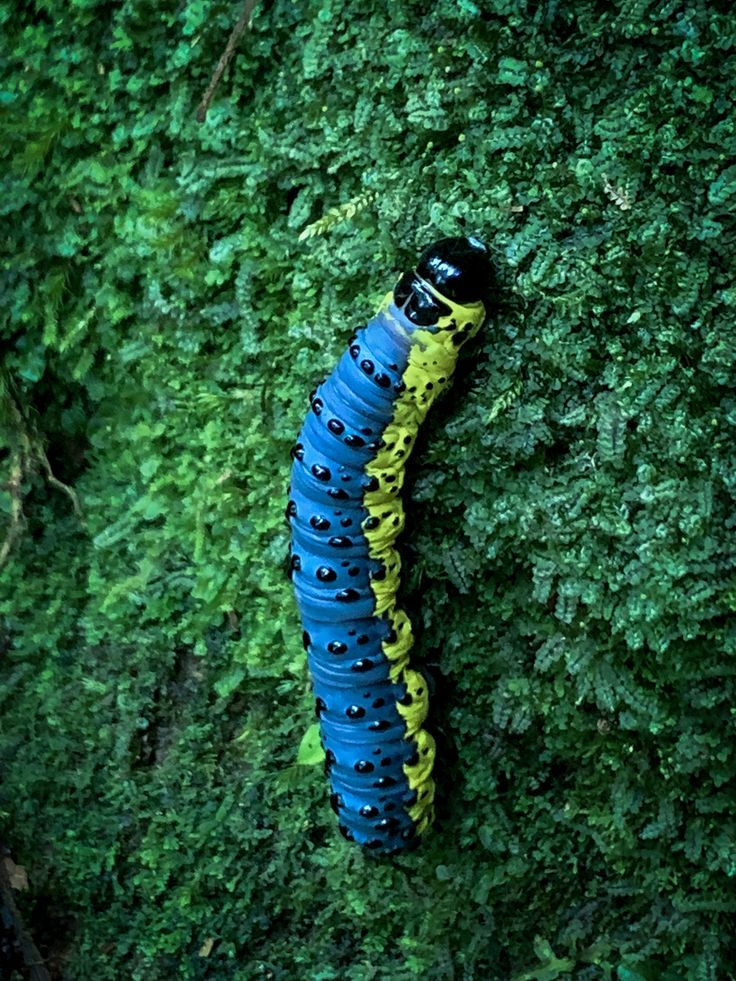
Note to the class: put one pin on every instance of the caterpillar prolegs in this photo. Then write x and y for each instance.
(345, 513)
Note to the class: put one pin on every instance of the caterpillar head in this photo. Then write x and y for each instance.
(458, 268)
(452, 272)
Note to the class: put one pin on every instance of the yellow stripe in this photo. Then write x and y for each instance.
(432, 359)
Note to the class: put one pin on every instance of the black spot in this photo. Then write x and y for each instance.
(390, 478)
(367, 366)
(457, 339)
(346, 832)
(355, 711)
(429, 385)
(306, 640)
(364, 664)
(442, 379)
(326, 574)
(321, 472)
(296, 563)
(382, 379)
(347, 595)
(330, 760)
(354, 571)
(399, 387)
(370, 523)
(345, 565)
(364, 766)
(387, 824)
(346, 522)
(319, 706)
(317, 406)
(354, 441)
(291, 509)
(354, 350)
(395, 522)
(411, 798)
(379, 703)
(407, 440)
(390, 806)
(374, 843)
(381, 725)
(338, 494)
(319, 522)
(379, 574)
(384, 782)
(340, 541)
(297, 451)
(420, 691)
(413, 759)
(337, 647)
(391, 638)
(336, 802)
(370, 484)
(346, 476)
(363, 639)
(369, 811)
(386, 761)
(336, 427)
(406, 699)
(393, 367)
(366, 431)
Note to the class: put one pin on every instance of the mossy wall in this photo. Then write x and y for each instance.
(171, 291)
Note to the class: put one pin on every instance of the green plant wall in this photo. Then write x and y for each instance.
(170, 292)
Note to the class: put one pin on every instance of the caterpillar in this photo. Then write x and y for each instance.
(345, 514)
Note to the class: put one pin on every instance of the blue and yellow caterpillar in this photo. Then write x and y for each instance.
(345, 513)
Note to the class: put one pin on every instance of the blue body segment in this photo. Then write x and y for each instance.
(363, 733)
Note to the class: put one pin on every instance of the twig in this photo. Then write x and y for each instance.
(225, 59)
(16, 508)
(27, 457)
(31, 957)
(59, 484)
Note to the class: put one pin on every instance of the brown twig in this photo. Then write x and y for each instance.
(13, 487)
(224, 61)
(31, 957)
(27, 456)
(59, 484)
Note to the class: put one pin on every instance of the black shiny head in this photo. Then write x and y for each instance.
(459, 268)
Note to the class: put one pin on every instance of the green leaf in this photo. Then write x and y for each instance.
(229, 682)
(310, 751)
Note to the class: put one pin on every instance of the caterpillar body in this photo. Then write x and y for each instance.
(345, 513)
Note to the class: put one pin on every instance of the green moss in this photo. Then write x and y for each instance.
(171, 293)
